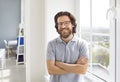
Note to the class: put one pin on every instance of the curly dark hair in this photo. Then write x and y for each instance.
(71, 17)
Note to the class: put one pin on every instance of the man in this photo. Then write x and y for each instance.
(67, 55)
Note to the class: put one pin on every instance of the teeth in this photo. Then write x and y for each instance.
(64, 29)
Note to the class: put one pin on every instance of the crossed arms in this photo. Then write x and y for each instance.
(57, 68)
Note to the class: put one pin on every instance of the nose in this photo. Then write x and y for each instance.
(63, 25)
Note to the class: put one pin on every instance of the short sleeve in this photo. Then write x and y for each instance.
(84, 51)
(50, 52)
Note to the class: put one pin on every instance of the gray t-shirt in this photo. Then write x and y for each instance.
(58, 50)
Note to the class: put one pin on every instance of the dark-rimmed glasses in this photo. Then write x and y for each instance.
(65, 23)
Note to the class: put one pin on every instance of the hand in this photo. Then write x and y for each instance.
(82, 60)
(57, 63)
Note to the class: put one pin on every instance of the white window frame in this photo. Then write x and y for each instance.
(112, 39)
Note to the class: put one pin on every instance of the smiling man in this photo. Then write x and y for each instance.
(67, 55)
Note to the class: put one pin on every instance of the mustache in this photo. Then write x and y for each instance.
(64, 29)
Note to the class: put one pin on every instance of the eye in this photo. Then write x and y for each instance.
(66, 23)
(60, 23)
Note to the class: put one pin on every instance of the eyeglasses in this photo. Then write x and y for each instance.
(65, 23)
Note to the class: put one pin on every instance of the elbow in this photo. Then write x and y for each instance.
(50, 71)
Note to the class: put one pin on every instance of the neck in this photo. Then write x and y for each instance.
(68, 38)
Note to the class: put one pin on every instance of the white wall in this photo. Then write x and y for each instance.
(39, 21)
(35, 40)
(52, 9)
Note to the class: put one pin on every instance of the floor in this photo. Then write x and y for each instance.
(10, 72)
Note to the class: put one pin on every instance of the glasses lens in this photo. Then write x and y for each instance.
(65, 23)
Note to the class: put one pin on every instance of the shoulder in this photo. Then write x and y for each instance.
(52, 42)
(82, 42)
(79, 40)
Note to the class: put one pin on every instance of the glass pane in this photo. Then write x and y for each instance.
(99, 22)
(100, 53)
(85, 15)
(86, 36)
(100, 56)
(95, 29)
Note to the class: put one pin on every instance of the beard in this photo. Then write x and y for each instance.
(65, 32)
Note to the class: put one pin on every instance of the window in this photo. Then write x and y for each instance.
(94, 27)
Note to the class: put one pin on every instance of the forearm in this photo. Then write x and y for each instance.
(53, 69)
(56, 70)
(73, 68)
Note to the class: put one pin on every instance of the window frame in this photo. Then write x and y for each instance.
(113, 35)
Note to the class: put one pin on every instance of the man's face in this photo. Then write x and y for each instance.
(64, 26)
